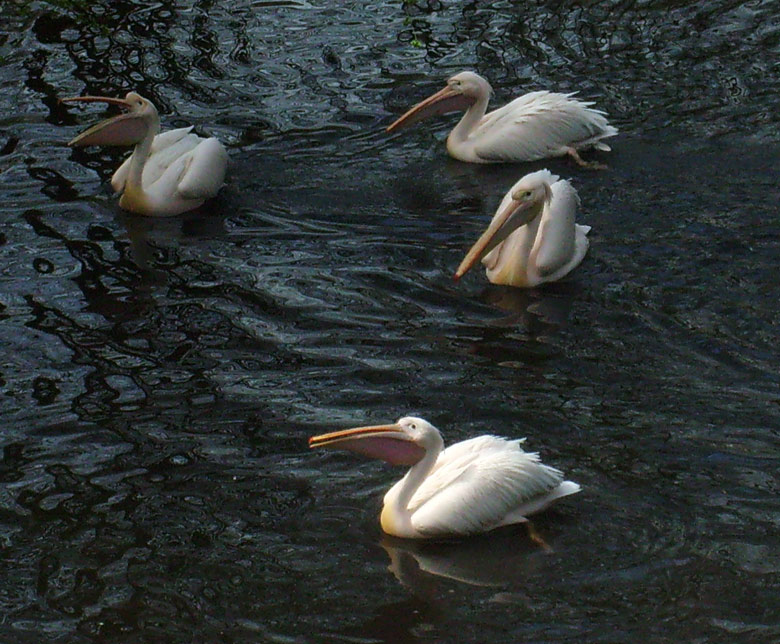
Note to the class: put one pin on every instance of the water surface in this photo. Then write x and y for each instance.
(160, 377)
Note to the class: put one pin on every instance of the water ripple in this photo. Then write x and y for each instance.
(160, 378)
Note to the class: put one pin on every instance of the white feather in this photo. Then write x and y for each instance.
(534, 126)
(167, 173)
(470, 487)
(154, 167)
(546, 248)
(474, 492)
(538, 125)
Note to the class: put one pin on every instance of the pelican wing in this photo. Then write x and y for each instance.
(120, 175)
(167, 139)
(155, 165)
(555, 244)
(538, 125)
(168, 156)
(205, 172)
(478, 485)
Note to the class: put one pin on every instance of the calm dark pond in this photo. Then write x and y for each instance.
(159, 379)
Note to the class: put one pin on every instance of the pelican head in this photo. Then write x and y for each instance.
(470, 85)
(130, 128)
(461, 92)
(524, 202)
(404, 442)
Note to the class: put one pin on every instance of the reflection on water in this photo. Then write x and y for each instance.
(159, 378)
(151, 239)
(501, 558)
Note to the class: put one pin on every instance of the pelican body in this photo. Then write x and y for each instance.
(532, 238)
(537, 125)
(470, 487)
(167, 174)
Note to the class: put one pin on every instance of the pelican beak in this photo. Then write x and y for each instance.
(387, 442)
(124, 129)
(443, 101)
(514, 215)
(97, 99)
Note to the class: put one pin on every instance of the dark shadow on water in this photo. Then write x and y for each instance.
(504, 557)
(161, 375)
(539, 311)
(502, 560)
(151, 236)
(395, 623)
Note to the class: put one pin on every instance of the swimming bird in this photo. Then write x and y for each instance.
(537, 125)
(167, 174)
(472, 486)
(532, 238)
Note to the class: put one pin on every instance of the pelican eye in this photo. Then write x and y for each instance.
(412, 426)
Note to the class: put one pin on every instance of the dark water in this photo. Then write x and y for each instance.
(159, 378)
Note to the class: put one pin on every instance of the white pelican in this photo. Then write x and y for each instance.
(532, 238)
(168, 173)
(537, 125)
(470, 487)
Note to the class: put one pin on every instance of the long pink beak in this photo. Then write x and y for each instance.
(443, 101)
(124, 129)
(97, 99)
(504, 224)
(387, 442)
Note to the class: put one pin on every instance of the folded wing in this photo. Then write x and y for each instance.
(538, 125)
(205, 171)
(476, 487)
